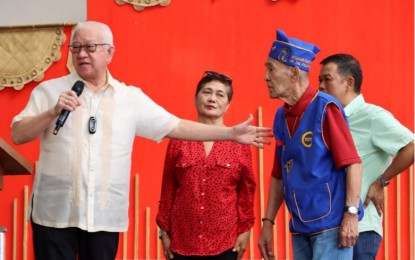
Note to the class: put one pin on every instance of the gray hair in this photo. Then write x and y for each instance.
(105, 29)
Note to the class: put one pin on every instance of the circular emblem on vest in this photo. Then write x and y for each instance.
(307, 139)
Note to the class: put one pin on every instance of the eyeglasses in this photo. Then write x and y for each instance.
(90, 47)
(214, 74)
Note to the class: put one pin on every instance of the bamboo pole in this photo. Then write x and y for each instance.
(136, 215)
(14, 229)
(261, 180)
(411, 212)
(147, 233)
(124, 245)
(274, 229)
(287, 233)
(398, 216)
(158, 243)
(36, 26)
(251, 244)
(386, 222)
(25, 203)
(261, 186)
(261, 168)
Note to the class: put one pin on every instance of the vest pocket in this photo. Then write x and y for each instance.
(313, 204)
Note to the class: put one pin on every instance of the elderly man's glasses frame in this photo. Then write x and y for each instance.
(89, 47)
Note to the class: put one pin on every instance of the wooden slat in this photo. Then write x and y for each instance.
(275, 236)
(386, 224)
(124, 245)
(12, 162)
(136, 215)
(411, 212)
(14, 229)
(25, 204)
(398, 216)
(251, 245)
(261, 169)
(287, 233)
(35, 26)
(158, 243)
(147, 233)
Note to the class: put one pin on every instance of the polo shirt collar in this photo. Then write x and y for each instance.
(355, 105)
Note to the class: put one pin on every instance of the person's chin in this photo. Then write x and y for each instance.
(273, 96)
(210, 114)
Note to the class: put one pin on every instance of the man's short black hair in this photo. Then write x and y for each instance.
(347, 65)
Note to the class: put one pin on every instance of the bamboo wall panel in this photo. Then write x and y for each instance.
(165, 50)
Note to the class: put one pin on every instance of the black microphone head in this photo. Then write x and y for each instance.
(78, 87)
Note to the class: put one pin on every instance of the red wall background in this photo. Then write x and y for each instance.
(165, 50)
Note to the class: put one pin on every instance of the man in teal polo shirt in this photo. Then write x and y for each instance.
(378, 137)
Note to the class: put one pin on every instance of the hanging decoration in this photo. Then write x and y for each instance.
(141, 4)
(25, 54)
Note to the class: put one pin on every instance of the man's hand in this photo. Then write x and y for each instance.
(252, 135)
(265, 240)
(241, 243)
(376, 195)
(67, 100)
(30, 127)
(348, 232)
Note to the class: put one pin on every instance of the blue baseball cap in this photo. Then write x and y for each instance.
(293, 52)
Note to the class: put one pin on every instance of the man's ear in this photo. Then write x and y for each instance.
(295, 74)
(350, 83)
(110, 54)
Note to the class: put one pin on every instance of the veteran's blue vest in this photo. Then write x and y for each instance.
(314, 190)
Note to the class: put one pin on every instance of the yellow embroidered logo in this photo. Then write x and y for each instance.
(307, 139)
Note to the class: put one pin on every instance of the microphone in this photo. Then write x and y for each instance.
(78, 87)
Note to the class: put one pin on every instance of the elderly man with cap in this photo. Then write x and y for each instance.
(317, 170)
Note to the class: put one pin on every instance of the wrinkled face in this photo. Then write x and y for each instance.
(91, 65)
(277, 77)
(332, 82)
(212, 100)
